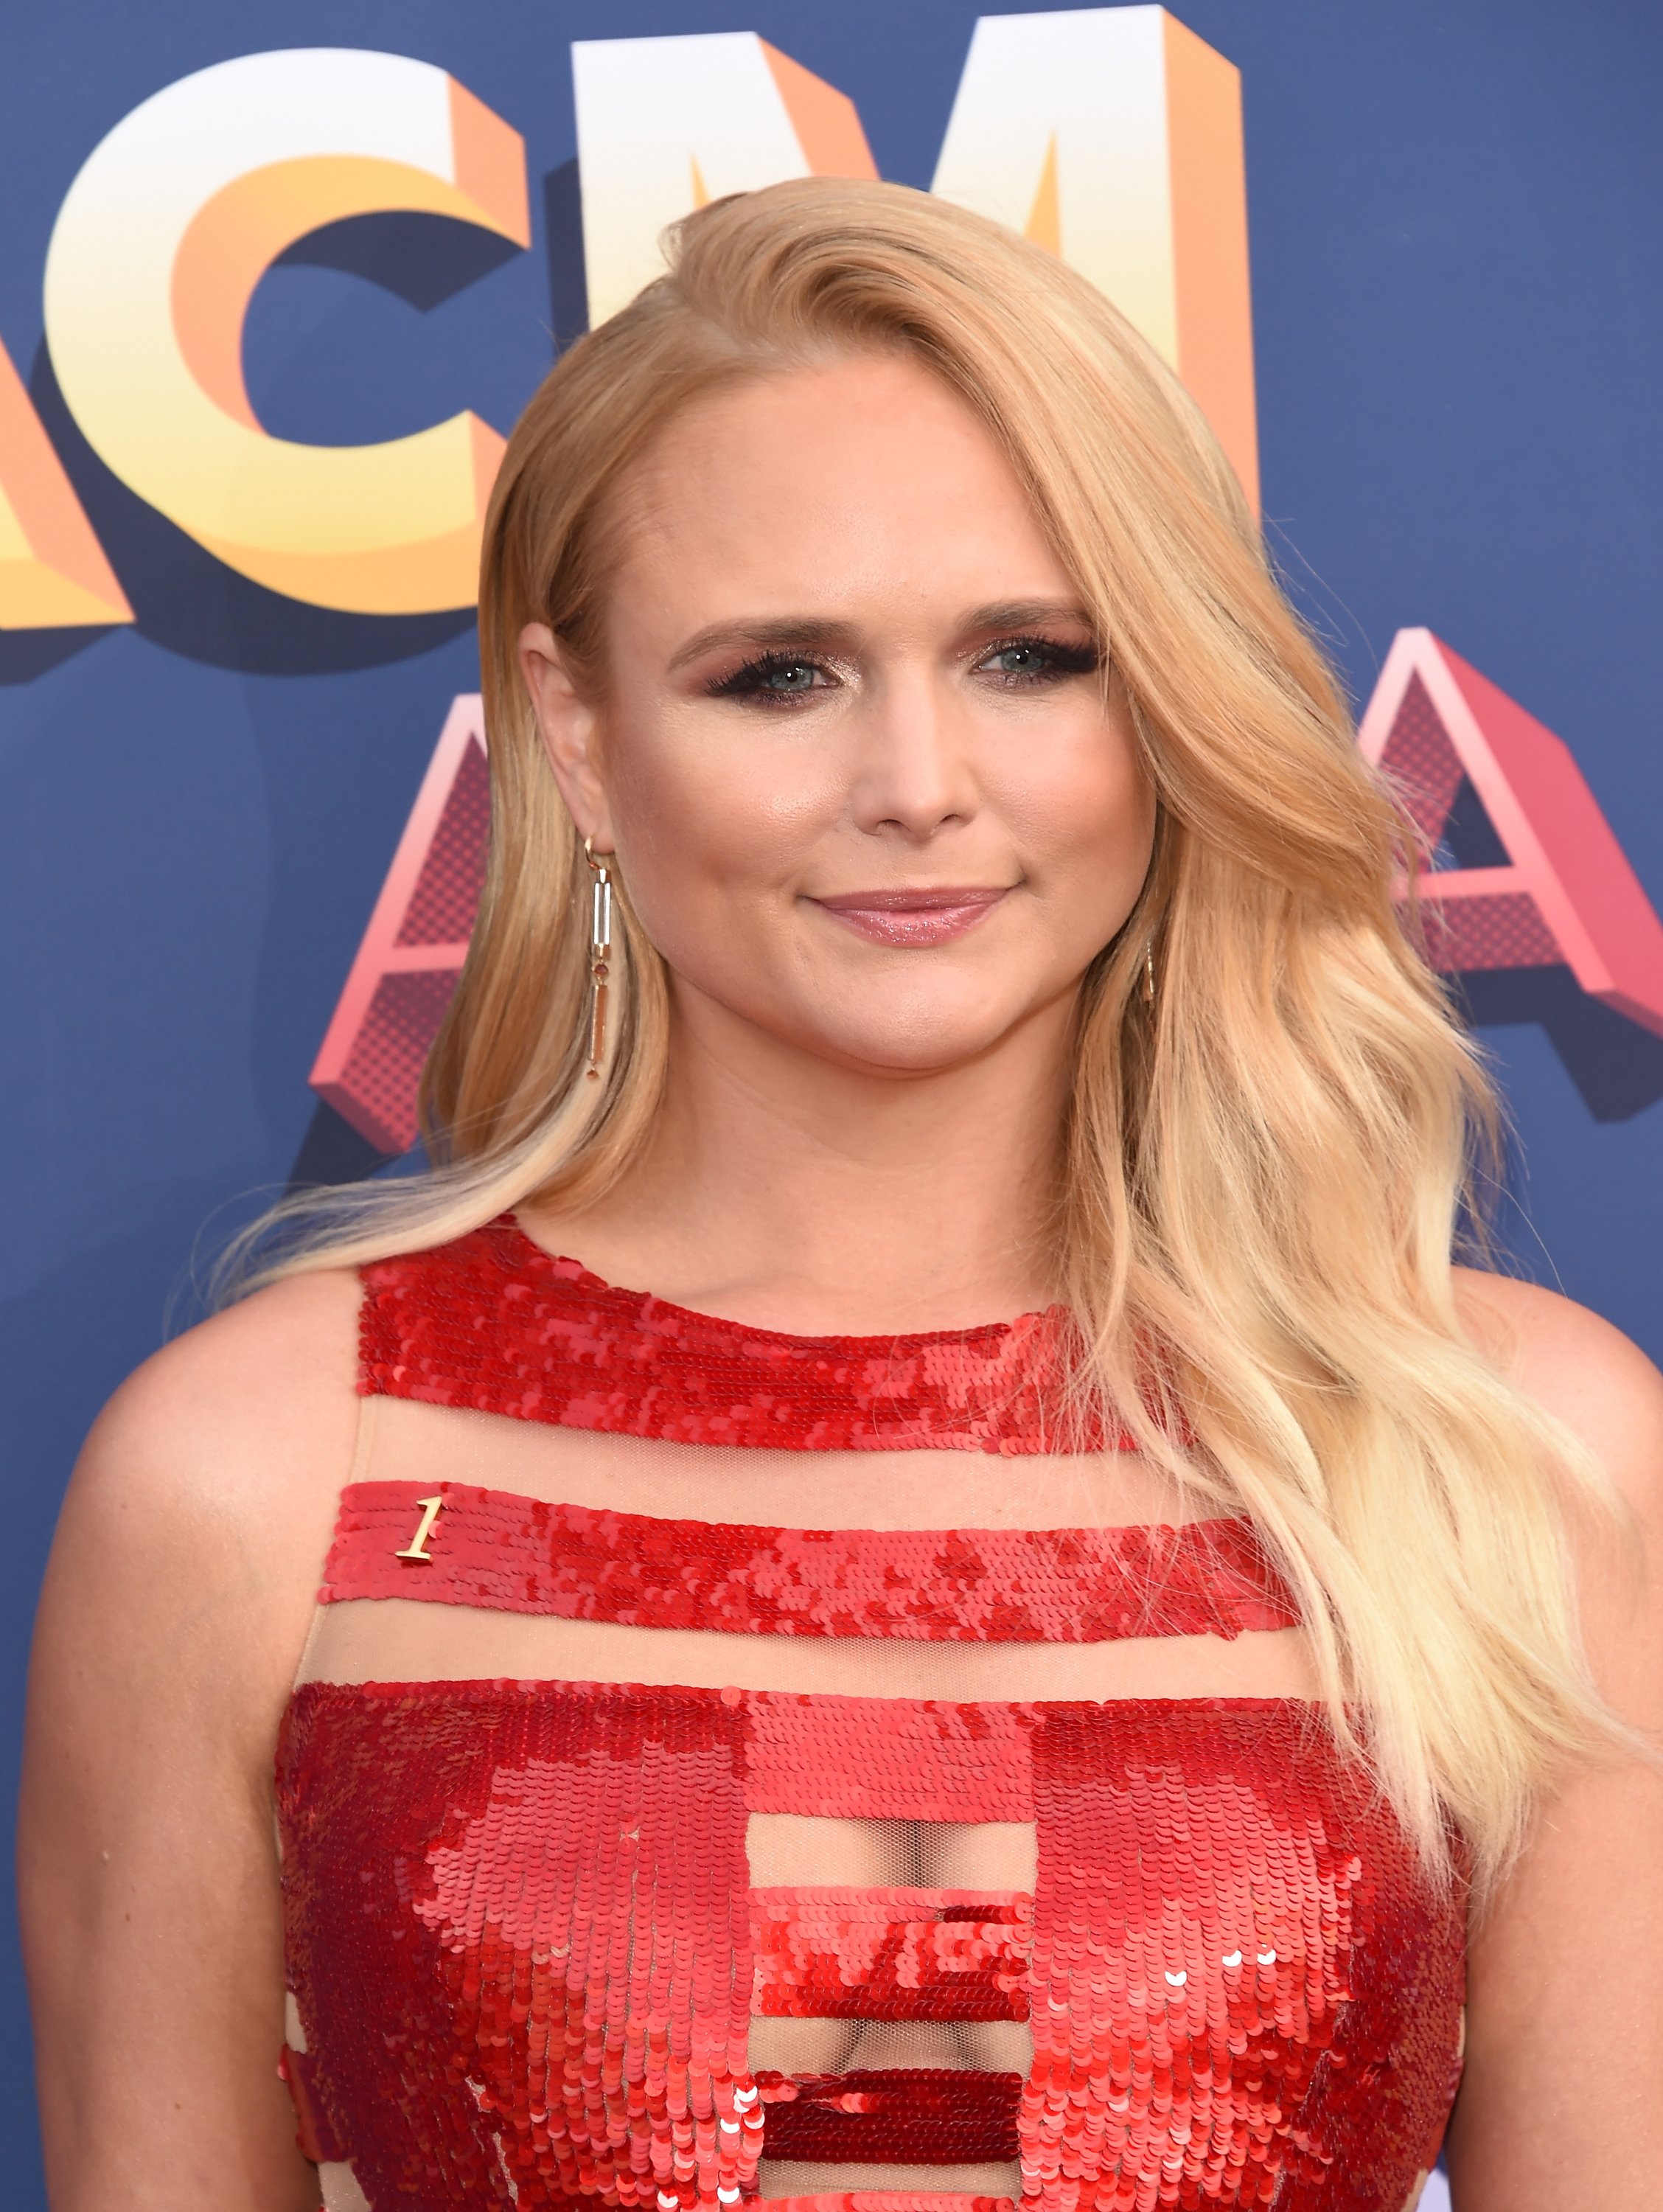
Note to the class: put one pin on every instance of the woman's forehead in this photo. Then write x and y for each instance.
(825, 485)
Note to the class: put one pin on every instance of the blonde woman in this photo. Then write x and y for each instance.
(934, 1591)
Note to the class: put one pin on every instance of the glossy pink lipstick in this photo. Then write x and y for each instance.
(912, 919)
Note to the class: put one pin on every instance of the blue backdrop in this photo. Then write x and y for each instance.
(1457, 226)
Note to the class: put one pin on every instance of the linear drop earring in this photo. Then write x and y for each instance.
(600, 954)
(1149, 970)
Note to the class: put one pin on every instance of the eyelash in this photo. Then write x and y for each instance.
(750, 682)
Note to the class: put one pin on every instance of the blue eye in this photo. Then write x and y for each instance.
(793, 676)
(773, 676)
(1022, 661)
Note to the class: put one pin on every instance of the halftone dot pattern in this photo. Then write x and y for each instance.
(1422, 761)
(1503, 929)
(446, 895)
(384, 1065)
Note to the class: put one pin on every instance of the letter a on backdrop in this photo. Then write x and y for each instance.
(53, 573)
(369, 1064)
(1564, 894)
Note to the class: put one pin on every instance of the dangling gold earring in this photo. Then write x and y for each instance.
(1149, 970)
(600, 953)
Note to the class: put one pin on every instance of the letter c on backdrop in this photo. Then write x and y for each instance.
(164, 234)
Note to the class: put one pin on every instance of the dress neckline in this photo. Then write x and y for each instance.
(898, 1342)
(495, 1322)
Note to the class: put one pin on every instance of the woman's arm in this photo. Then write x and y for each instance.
(1561, 2109)
(176, 1604)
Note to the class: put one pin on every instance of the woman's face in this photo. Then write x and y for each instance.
(850, 742)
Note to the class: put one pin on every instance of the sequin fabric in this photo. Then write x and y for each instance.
(512, 1554)
(837, 1953)
(528, 1953)
(498, 1324)
(536, 1896)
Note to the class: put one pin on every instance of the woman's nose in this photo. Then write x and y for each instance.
(912, 771)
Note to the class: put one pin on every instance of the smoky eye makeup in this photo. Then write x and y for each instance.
(776, 678)
(1025, 662)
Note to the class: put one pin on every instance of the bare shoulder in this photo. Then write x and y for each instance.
(1578, 1368)
(210, 1480)
(240, 1400)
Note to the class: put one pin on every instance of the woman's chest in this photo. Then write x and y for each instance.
(556, 1940)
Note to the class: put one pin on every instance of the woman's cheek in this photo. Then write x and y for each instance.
(1082, 825)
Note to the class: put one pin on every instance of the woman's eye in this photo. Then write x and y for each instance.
(773, 676)
(1038, 660)
(795, 675)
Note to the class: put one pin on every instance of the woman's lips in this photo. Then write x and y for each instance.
(912, 918)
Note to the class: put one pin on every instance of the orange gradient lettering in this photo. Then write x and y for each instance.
(666, 124)
(1114, 136)
(161, 239)
(53, 573)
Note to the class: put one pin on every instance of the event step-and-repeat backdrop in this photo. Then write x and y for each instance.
(274, 284)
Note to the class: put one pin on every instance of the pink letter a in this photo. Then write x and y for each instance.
(1566, 894)
(369, 1064)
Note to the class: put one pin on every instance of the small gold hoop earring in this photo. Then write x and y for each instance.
(600, 954)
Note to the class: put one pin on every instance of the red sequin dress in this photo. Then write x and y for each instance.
(644, 1847)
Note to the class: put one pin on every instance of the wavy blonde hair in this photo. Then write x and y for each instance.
(1265, 1165)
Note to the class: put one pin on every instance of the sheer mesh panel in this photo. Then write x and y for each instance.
(402, 1640)
(911, 1489)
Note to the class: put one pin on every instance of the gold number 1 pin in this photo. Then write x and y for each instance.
(418, 1547)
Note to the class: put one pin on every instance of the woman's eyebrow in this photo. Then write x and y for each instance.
(817, 634)
(1024, 614)
(813, 634)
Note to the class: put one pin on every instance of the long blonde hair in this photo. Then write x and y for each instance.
(1266, 1163)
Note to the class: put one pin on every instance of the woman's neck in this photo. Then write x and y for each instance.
(784, 1190)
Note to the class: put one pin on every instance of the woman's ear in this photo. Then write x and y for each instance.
(570, 729)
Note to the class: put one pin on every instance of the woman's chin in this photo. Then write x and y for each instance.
(913, 1028)
(906, 1046)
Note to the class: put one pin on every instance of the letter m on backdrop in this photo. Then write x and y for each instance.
(1528, 898)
